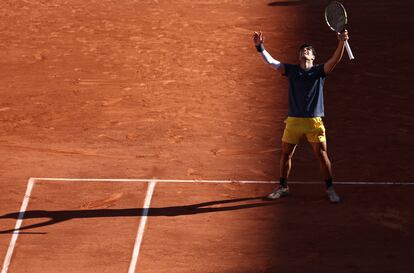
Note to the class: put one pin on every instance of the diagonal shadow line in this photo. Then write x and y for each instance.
(46, 223)
(287, 3)
(32, 233)
(56, 217)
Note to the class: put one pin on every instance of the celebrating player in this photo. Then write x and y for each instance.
(306, 109)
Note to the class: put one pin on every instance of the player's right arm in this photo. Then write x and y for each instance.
(337, 56)
(267, 58)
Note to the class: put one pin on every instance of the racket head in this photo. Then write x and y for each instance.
(336, 17)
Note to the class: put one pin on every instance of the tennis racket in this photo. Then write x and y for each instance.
(336, 18)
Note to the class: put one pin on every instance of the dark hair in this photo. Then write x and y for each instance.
(309, 46)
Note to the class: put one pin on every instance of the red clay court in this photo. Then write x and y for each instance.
(142, 136)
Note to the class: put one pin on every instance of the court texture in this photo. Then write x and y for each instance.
(143, 136)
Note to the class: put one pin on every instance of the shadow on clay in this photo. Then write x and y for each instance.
(56, 217)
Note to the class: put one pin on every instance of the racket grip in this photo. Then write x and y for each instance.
(348, 49)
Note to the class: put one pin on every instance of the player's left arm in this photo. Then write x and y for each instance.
(336, 57)
(266, 57)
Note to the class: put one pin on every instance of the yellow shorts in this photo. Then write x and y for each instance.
(296, 128)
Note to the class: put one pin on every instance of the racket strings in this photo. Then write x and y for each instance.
(336, 17)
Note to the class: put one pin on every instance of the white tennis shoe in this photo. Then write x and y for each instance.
(333, 196)
(278, 193)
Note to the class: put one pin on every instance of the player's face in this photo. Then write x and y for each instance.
(307, 54)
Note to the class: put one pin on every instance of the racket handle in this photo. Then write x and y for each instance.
(348, 49)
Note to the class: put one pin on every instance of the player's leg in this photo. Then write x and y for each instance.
(285, 166)
(286, 160)
(290, 139)
(317, 139)
(320, 150)
(291, 136)
(316, 136)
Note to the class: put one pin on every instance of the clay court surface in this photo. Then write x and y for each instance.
(134, 94)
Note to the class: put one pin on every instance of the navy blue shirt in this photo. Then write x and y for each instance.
(305, 90)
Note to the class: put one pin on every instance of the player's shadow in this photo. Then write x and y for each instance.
(56, 217)
(287, 3)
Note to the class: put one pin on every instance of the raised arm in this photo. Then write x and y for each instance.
(336, 57)
(266, 57)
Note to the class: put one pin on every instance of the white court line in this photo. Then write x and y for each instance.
(146, 180)
(141, 228)
(216, 181)
(19, 222)
(151, 186)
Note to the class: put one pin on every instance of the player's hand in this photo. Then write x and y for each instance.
(343, 36)
(257, 38)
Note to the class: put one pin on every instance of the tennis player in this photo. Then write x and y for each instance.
(305, 109)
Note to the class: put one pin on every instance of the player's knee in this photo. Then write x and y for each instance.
(287, 155)
(322, 154)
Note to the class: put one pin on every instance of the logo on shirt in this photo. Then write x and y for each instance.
(307, 74)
